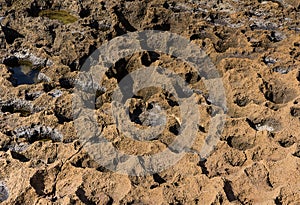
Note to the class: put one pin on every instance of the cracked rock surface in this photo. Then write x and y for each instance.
(254, 45)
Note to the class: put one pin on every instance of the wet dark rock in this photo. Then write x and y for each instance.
(23, 107)
(38, 132)
(282, 70)
(276, 36)
(263, 25)
(18, 147)
(4, 193)
(37, 62)
(269, 60)
(56, 93)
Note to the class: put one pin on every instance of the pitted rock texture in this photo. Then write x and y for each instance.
(255, 46)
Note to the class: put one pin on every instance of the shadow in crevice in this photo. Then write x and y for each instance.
(228, 191)
(123, 20)
(10, 34)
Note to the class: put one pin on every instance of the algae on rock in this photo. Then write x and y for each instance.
(61, 15)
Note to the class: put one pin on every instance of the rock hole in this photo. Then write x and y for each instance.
(162, 27)
(228, 191)
(149, 57)
(84, 12)
(295, 112)
(81, 195)
(158, 179)
(11, 35)
(287, 142)
(37, 181)
(297, 154)
(203, 167)
(34, 9)
(277, 92)
(175, 128)
(19, 157)
(278, 200)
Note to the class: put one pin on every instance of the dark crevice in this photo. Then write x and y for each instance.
(201, 129)
(287, 142)
(278, 200)
(171, 102)
(162, 27)
(228, 191)
(118, 71)
(149, 57)
(84, 12)
(11, 61)
(102, 169)
(268, 180)
(203, 167)
(47, 87)
(61, 118)
(229, 141)
(93, 24)
(10, 34)
(19, 157)
(123, 20)
(175, 129)
(158, 179)
(76, 65)
(297, 154)
(13, 108)
(120, 31)
(241, 101)
(251, 124)
(51, 31)
(134, 115)
(67, 83)
(34, 9)
(37, 182)
(81, 195)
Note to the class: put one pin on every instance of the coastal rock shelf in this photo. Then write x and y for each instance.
(253, 45)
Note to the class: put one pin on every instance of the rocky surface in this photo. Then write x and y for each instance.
(255, 45)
